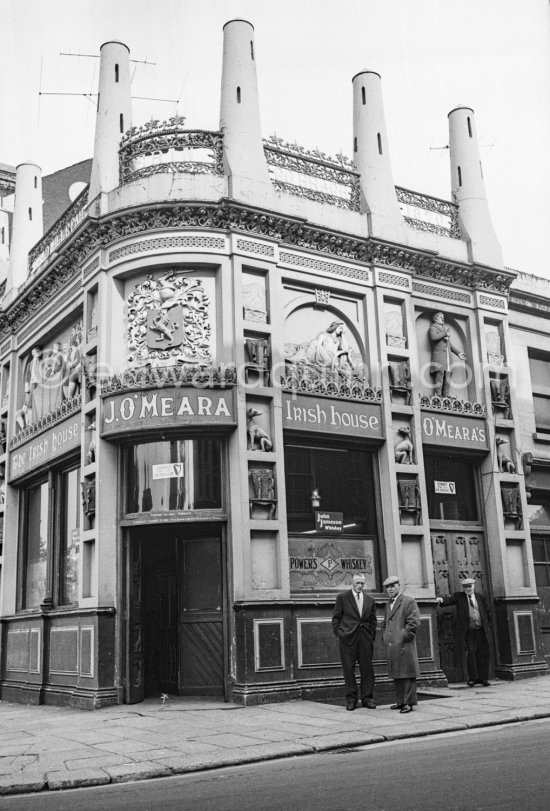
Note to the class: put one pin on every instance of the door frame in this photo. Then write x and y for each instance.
(133, 674)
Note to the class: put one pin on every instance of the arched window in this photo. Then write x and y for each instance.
(363, 95)
(30, 214)
(379, 139)
(459, 176)
(238, 95)
(116, 73)
(469, 127)
(121, 123)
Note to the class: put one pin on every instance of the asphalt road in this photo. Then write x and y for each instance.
(505, 768)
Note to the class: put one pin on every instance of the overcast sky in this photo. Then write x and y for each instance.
(492, 55)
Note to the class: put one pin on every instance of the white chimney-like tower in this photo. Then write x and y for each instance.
(27, 224)
(114, 116)
(468, 188)
(244, 158)
(4, 243)
(371, 156)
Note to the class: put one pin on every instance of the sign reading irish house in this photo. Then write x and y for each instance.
(343, 417)
(167, 408)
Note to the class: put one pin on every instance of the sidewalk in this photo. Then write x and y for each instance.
(47, 748)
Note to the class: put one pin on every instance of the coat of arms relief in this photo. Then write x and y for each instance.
(169, 322)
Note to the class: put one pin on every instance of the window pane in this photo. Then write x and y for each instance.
(539, 514)
(541, 575)
(539, 551)
(540, 372)
(175, 475)
(36, 545)
(460, 505)
(344, 479)
(70, 537)
(542, 412)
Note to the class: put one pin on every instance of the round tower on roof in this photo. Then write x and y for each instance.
(244, 157)
(27, 223)
(372, 157)
(114, 116)
(4, 243)
(468, 189)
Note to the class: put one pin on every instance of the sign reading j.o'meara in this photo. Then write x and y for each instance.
(167, 408)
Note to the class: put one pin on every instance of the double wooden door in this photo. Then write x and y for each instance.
(456, 556)
(175, 617)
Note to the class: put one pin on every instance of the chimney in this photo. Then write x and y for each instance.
(371, 156)
(244, 158)
(27, 224)
(114, 116)
(468, 189)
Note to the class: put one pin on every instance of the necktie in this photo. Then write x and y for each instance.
(360, 602)
(471, 599)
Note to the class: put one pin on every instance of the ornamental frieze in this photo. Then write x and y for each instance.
(232, 216)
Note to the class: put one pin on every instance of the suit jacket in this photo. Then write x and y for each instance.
(346, 620)
(460, 599)
(400, 624)
(441, 348)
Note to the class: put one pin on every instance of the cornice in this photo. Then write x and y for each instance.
(227, 215)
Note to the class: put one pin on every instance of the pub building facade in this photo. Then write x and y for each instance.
(223, 393)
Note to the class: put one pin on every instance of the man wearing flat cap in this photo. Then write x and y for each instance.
(354, 623)
(400, 625)
(472, 629)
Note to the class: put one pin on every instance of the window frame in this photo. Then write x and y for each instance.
(56, 500)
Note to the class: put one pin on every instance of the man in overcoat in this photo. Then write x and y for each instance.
(354, 623)
(442, 347)
(472, 629)
(400, 625)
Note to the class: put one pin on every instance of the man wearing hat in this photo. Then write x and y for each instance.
(400, 624)
(354, 623)
(472, 629)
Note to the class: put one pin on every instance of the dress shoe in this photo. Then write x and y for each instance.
(368, 703)
(485, 683)
(406, 708)
(396, 706)
(351, 705)
(471, 683)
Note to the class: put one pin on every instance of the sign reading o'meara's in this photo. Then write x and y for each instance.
(454, 431)
(167, 408)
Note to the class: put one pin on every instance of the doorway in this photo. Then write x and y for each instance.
(175, 617)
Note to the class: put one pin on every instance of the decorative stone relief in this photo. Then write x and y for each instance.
(253, 299)
(394, 326)
(169, 321)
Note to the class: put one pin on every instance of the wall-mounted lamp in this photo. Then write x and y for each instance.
(315, 499)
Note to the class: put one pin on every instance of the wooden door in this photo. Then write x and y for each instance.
(201, 617)
(135, 681)
(456, 556)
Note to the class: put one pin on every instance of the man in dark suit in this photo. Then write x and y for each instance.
(472, 629)
(354, 623)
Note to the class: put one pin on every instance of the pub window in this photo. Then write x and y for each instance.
(51, 518)
(36, 545)
(539, 367)
(180, 474)
(451, 485)
(342, 481)
(538, 510)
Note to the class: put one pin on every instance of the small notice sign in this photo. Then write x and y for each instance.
(329, 522)
(445, 487)
(174, 470)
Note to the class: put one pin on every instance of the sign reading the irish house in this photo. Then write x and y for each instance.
(167, 408)
(342, 417)
(454, 431)
(326, 565)
(63, 437)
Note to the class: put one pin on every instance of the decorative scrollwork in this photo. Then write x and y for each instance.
(148, 377)
(168, 319)
(452, 405)
(152, 149)
(311, 380)
(66, 408)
